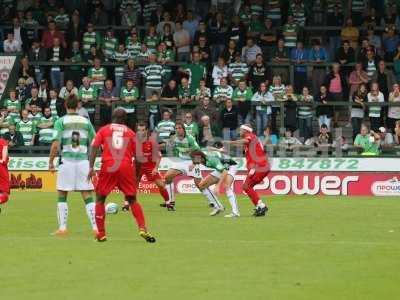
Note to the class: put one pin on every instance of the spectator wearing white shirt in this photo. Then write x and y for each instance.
(11, 45)
(220, 71)
(250, 51)
(375, 96)
(263, 113)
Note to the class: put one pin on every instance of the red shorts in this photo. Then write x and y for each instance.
(256, 178)
(143, 169)
(123, 178)
(4, 179)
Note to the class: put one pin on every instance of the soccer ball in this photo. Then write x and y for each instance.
(111, 208)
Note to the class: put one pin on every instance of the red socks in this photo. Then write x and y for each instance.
(137, 213)
(100, 213)
(252, 195)
(164, 194)
(3, 198)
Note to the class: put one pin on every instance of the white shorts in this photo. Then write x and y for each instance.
(231, 171)
(183, 167)
(72, 176)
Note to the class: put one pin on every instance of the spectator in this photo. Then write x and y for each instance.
(93, 54)
(362, 51)
(132, 73)
(206, 108)
(305, 114)
(107, 96)
(91, 38)
(268, 38)
(250, 51)
(290, 116)
(166, 21)
(350, 33)
(367, 141)
(129, 16)
(151, 39)
(346, 55)
(396, 64)
(390, 43)
(119, 56)
(263, 112)
(98, 17)
(165, 56)
(158, 15)
(236, 33)
(299, 57)
(37, 53)
(220, 71)
(218, 35)
(242, 96)
(191, 127)
(45, 126)
(394, 111)
(153, 75)
(375, 96)
(288, 141)
(35, 114)
(202, 91)
(68, 90)
(165, 127)
(281, 55)
(208, 132)
(97, 75)
(223, 92)
(82, 111)
(255, 27)
(12, 104)
(51, 34)
(277, 89)
(74, 72)
(27, 128)
(196, 71)
(87, 94)
(56, 54)
(202, 32)
(268, 140)
(385, 78)
(229, 54)
(324, 138)
(29, 29)
(337, 87)
(324, 110)
(386, 141)
(133, 45)
(129, 95)
(258, 73)
(318, 55)
(396, 134)
(358, 108)
(237, 70)
(56, 104)
(182, 42)
(273, 11)
(153, 110)
(62, 19)
(370, 63)
(205, 51)
(26, 70)
(75, 29)
(357, 78)
(191, 24)
(34, 99)
(110, 44)
(375, 40)
(290, 33)
(170, 91)
(14, 137)
(43, 92)
(11, 45)
(185, 95)
(229, 121)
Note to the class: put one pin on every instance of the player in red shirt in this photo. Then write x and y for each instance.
(4, 176)
(117, 170)
(257, 166)
(147, 160)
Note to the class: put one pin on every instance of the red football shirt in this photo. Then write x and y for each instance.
(118, 143)
(149, 153)
(3, 143)
(254, 150)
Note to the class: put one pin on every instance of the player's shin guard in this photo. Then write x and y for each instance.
(62, 213)
(137, 213)
(164, 194)
(212, 198)
(171, 192)
(100, 212)
(3, 198)
(90, 211)
(232, 200)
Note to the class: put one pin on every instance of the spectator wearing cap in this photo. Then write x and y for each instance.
(51, 34)
(90, 38)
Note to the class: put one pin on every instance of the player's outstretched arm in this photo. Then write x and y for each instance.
(238, 142)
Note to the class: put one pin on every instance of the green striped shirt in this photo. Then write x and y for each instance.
(88, 96)
(164, 129)
(12, 105)
(95, 75)
(238, 70)
(27, 129)
(358, 5)
(192, 129)
(35, 118)
(153, 75)
(120, 57)
(152, 42)
(183, 147)
(53, 107)
(239, 95)
(305, 111)
(133, 47)
(148, 9)
(129, 97)
(109, 46)
(223, 92)
(46, 135)
(5, 122)
(89, 39)
(75, 134)
(290, 41)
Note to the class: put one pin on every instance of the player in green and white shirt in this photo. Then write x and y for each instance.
(97, 74)
(27, 128)
(110, 44)
(90, 37)
(46, 127)
(73, 136)
(165, 127)
(225, 169)
(12, 104)
(237, 70)
(88, 95)
(129, 94)
(223, 92)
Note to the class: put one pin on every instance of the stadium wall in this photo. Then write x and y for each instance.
(296, 176)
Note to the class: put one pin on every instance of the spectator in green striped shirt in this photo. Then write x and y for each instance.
(120, 56)
(27, 129)
(165, 127)
(91, 37)
(46, 127)
(110, 44)
(97, 74)
(129, 95)
(88, 97)
(191, 126)
(153, 74)
(12, 104)
(305, 114)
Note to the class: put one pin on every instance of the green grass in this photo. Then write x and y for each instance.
(306, 248)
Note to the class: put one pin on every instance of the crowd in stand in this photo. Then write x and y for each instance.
(221, 61)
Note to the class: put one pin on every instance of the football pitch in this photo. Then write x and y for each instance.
(306, 248)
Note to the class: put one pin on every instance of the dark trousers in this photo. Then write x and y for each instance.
(375, 123)
(105, 115)
(356, 126)
(305, 128)
(300, 81)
